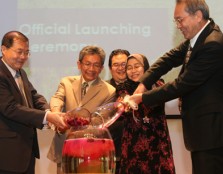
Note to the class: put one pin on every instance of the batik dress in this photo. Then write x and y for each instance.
(146, 144)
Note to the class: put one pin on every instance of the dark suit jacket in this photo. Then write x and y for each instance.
(18, 138)
(200, 85)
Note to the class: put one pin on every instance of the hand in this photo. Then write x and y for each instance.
(136, 98)
(140, 89)
(57, 119)
(130, 103)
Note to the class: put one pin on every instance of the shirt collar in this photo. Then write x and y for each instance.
(194, 39)
(12, 71)
(118, 82)
(89, 83)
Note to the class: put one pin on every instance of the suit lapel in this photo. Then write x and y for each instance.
(77, 89)
(12, 81)
(26, 88)
(9, 75)
(208, 29)
(92, 91)
(200, 40)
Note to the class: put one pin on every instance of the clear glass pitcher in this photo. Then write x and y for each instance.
(88, 147)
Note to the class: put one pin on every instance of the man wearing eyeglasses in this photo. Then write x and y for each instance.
(199, 85)
(117, 61)
(22, 109)
(117, 65)
(69, 94)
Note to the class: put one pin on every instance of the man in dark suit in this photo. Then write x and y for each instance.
(117, 66)
(20, 112)
(199, 85)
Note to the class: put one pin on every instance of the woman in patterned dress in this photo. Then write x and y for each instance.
(146, 144)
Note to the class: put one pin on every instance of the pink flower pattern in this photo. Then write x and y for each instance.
(146, 147)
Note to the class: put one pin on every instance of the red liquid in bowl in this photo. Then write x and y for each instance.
(88, 155)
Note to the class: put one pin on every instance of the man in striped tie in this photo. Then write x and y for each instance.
(199, 84)
(22, 109)
(87, 90)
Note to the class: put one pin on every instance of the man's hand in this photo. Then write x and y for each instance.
(57, 119)
(140, 89)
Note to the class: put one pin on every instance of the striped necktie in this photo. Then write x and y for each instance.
(188, 54)
(84, 89)
(187, 57)
(19, 81)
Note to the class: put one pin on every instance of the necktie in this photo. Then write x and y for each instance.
(187, 57)
(83, 89)
(188, 54)
(21, 87)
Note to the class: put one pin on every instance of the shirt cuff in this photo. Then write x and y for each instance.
(44, 120)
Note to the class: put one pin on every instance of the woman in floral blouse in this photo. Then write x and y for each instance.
(146, 144)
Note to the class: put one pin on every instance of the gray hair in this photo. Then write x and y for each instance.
(192, 6)
(92, 50)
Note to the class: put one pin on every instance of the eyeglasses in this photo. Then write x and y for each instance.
(136, 67)
(94, 65)
(20, 52)
(178, 21)
(117, 65)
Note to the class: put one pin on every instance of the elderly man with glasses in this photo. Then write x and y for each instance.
(199, 84)
(70, 93)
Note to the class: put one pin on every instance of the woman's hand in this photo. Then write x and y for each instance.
(136, 98)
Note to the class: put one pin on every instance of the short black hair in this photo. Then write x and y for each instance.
(117, 52)
(9, 38)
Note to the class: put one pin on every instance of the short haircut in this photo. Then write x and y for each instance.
(9, 38)
(116, 52)
(92, 50)
(192, 6)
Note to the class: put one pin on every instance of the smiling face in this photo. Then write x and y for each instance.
(118, 67)
(16, 55)
(90, 67)
(134, 69)
(188, 24)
